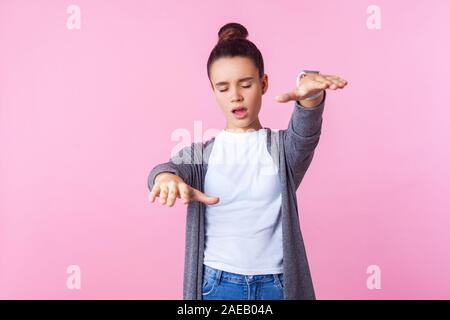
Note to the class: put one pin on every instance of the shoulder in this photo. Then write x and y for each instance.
(196, 152)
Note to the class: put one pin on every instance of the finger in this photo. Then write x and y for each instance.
(339, 83)
(155, 192)
(328, 80)
(163, 194)
(313, 87)
(336, 78)
(183, 190)
(343, 82)
(333, 76)
(332, 83)
(332, 79)
(285, 97)
(173, 193)
(327, 84)
(320, 84)
(201, 197)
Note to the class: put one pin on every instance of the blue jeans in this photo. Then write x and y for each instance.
(223, 285)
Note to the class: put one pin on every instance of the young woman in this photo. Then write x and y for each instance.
(243, 239)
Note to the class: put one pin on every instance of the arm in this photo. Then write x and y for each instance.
(304, 128)
(302, 136)
(178, 182)
(182, 170)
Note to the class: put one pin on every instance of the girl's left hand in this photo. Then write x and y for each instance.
(311, 84)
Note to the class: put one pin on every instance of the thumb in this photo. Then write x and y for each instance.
(285, 97)
(201, 197)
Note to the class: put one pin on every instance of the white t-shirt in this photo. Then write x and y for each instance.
(243, 231)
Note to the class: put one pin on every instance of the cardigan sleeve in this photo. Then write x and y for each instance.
(301, 138)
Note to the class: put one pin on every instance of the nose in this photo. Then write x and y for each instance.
(236, 98)
(235, 95)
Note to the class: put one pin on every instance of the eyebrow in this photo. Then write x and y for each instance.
(240, 80)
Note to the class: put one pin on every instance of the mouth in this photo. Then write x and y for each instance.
(239, 112)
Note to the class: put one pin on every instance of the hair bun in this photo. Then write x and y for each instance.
(232, 31)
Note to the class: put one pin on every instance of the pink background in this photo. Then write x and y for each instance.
(85, 114)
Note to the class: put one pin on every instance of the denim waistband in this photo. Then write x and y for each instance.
(239, 278)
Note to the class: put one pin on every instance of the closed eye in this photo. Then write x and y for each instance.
(242, 87)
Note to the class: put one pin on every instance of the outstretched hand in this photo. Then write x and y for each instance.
(169, 186)
(311, 84)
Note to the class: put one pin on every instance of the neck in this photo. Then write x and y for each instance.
(255, 125)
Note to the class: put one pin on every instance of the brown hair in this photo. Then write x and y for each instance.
(233, 42)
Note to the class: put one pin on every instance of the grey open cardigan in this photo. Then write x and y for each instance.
(292, 150)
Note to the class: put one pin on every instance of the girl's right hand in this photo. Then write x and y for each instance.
(169, 186)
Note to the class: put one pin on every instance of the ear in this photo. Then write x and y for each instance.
(264, 83)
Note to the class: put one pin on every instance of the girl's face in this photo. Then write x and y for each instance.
(236, 83)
